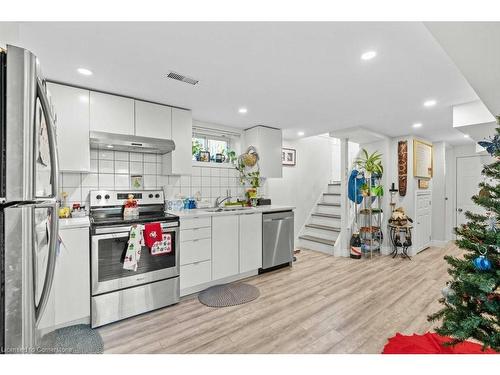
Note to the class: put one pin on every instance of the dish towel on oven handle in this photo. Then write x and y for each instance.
(152, 234)
(135, 243)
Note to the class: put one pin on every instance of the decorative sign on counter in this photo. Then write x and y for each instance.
(422, 159)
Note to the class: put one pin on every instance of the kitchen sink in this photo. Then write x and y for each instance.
(229, 208)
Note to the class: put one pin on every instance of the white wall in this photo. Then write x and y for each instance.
(439, 202)
(302, 185)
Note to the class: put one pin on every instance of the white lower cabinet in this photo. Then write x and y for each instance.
(219, 249)
(250, 242)
(195, 274)
(69, 301)
(72, 278)
(224, 246)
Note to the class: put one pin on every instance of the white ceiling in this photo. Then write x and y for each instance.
(295, 76)
(475, 49)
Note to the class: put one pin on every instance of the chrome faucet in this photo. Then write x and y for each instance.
(218, 200)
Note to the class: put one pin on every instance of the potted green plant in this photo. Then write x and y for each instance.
(371, 164)
(231, 156)
(365, 190)
(377, 190)
(196, 148)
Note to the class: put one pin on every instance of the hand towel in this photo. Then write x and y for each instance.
(152, 234)
(135, 243)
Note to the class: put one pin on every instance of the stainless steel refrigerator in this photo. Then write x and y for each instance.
(28, 202)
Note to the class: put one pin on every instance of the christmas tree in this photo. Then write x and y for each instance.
(472, 299)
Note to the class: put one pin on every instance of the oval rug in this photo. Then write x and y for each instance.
(228, 295)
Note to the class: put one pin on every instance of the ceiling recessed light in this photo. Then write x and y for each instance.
(110, 146)
(84, 98)
(466, 136)
(242, 110)
(368, 55)
(417, 125)
(300, 134)
(430, 103)
(84, 71)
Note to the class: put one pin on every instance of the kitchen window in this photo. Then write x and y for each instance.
(206, 148)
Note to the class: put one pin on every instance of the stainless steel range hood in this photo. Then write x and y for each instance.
(120, 142)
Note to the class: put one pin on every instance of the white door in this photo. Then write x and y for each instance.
(423, 225)
(468, 177)
(153, 120)
(111, 113)
(224, 246)
(250, 242)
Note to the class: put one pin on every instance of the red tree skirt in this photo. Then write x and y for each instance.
(430, 343)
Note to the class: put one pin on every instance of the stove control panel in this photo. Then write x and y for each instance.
(102, 198)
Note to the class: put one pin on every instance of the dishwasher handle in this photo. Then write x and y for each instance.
(278, 219)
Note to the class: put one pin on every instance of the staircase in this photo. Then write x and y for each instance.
(323, 226)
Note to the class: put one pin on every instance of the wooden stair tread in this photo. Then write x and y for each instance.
(334, 184)
(323, 227)
(317, 239)
(326, 215)
(336, 194)
(329, 204)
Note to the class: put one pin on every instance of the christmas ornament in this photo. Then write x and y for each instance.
(491, 222)
(484, 193)
(492, 145)
(447, 292)
(482, 263)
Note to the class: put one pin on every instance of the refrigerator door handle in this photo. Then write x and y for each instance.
(51, 133)
(51, 261)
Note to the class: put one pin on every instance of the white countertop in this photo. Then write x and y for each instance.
(77, 222)
(204, 212)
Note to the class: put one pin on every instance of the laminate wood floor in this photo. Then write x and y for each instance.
(323, 304)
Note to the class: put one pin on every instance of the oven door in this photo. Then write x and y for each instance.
(109, 246)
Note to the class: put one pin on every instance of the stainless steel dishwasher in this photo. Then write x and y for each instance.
(277, 239)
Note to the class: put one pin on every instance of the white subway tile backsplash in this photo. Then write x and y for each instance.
(215, 181)
(106, 166)
(71, 179)
(122, 181)
(121, 166)
(106, 155)
(149, 168)
(121, 155)
(106, 180)
(112, 170)
(136, 156)
(149, 181)
(136, 167)
(94, 165)
(150, 158)
(90, 180)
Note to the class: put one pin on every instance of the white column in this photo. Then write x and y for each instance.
(342, 247)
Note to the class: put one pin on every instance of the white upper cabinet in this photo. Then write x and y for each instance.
(111, 113)
(250, 242)
(153, 120)
(179, 161)
(268, 142)
(72, 111)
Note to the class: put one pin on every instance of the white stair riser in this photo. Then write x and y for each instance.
(316, 246)
(331, 198)
(325, 221)
(325, 234)
(332, 210)
(334, 188)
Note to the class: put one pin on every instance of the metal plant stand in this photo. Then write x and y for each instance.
(370, 220)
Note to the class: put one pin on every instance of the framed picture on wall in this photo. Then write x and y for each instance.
(288, 156)
(422, 159)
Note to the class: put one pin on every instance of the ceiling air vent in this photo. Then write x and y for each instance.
(180, 77)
